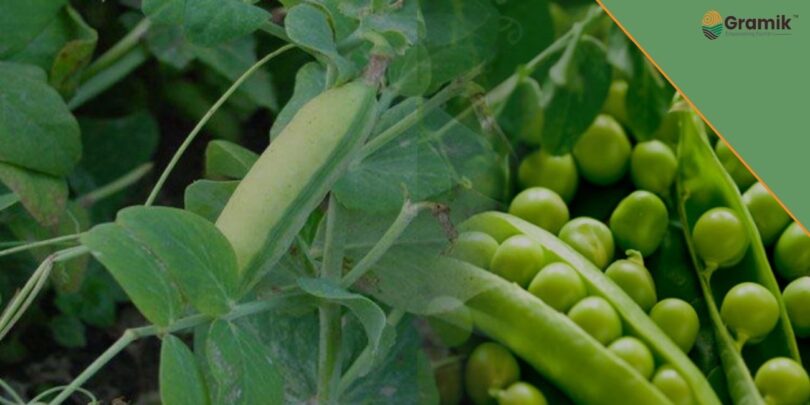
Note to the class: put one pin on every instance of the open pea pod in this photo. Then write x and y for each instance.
(524, 323)
(703, 184)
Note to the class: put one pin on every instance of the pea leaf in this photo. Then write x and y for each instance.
(231, 59)
(95, 302)
(648, 97)
(43, 196)
(134, 266)
(63, 48)
(428, 159)
(227, 159)
(526, 29)
(207, 22)
(68, 331)
(241, 366)
(195, 254)
(571, 108)
(461, 34)
(207, 198)
(22, 21)
(402, 376)
(7, 200)
(181, 381)
(409, 75)
(309, 27)
(309, 82)
(367, 312)
(37, 131)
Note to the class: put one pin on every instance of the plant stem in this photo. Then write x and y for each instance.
(39, 243)
(131, 335)
(115, 186)
(329, 312)
(121, 48)
(407, 214)
(104, 79)
(14, 396)
(193, 134)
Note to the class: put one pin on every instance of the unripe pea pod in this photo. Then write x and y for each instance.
(294, 174)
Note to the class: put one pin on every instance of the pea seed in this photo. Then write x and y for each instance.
(542, 207)
(557, 173)
(640, 222)
(591, 239)
(559, 286)
(598, 318)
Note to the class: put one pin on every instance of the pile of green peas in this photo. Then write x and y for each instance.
(603, 157)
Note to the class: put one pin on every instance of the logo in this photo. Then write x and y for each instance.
(712, 24)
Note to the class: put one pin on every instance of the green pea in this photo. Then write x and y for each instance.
(558, 173)
(635, 280)
(489, 367)
(635, 353)
(735, 168)
(476, 248)
(559, 286)
(518, 259)
(591, 239)
(653, 166)
(782, 381)
(598, 318)
(451, 320)
(449, 382)
(750, 310)
(797, 301)
(521, 393)
(603, 152)
(720, 238)
(678, 320)
(615, 104)
(640, 222)
(792, 253)
(542, 207)
(769, 217)
(672, 385)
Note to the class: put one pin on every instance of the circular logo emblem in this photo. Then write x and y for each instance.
(712, 24)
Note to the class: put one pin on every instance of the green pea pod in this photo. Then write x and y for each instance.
(513, 316)
(703, 184)
(294, 174)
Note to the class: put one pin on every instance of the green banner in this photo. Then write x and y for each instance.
(745, 65)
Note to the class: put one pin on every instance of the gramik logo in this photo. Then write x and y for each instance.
(713, 25)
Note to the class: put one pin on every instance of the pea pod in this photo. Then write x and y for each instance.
(704, 185)
(514, 317)
(292, 176)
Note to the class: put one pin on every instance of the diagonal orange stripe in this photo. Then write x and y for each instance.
(702, 116)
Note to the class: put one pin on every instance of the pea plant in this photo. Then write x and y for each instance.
(295, 274)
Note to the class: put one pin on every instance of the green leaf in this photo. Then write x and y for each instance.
(22, 21)
(526, 29)
(134, 266)
(309, 27)
(195, 254)
(95, 302)
(241, 366)
(169, 45)
(8, 200)
(181, 381)
(648, 98)
(367, 312)
(571, 108)
(522, 115)
(37, 131)
(207, 22)
(63, 48)
(227, 159)
(309, 82)
(43, 196)
(409, 75)
(461, 34)
(207, 198)
(68, 331)
(231, 59)
(426, 160)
